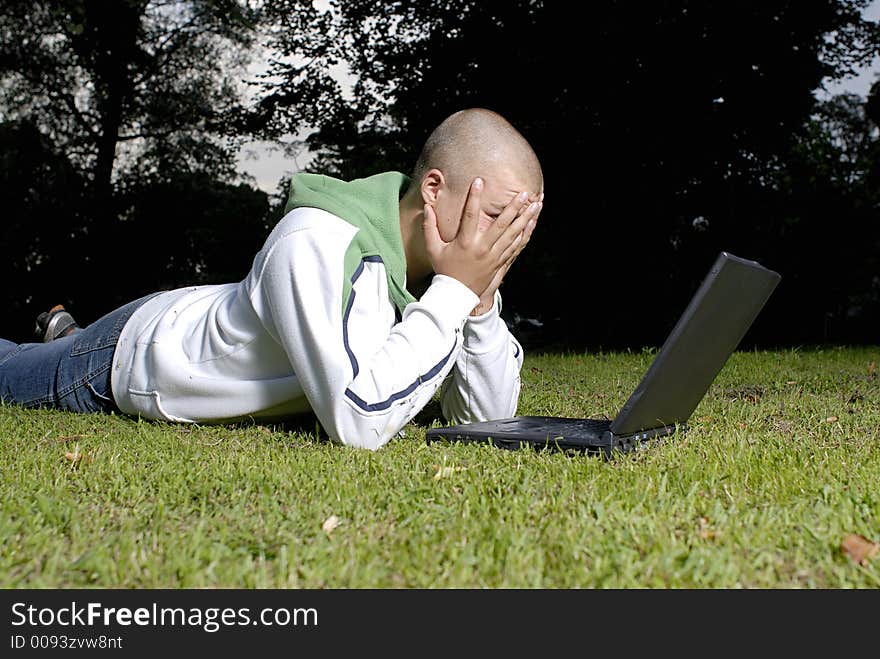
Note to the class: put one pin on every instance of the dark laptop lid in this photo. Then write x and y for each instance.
(709, 330)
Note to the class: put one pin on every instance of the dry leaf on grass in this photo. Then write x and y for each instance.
(77, 457)
(859, 548)
(330, 523)
(705, 532)
(831, 419)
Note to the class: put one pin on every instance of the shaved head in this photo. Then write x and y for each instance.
(478, 142)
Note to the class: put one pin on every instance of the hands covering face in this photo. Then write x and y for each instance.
(482, 251)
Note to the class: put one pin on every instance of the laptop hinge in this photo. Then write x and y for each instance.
(638, 440)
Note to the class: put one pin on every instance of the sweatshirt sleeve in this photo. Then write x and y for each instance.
(485, 382)
(364, 376)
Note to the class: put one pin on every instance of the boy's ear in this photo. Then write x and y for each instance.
(431, 184)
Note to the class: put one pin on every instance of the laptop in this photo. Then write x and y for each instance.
(711, 327)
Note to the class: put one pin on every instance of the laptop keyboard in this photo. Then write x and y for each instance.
(559, 426)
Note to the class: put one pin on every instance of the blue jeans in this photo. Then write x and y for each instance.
(70, 373)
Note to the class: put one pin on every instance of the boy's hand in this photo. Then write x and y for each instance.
(487, 297)
(477, 257)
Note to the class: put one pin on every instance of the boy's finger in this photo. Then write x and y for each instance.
(433, 240)
(518, 225)
(513, 250)
(510, 212)
(470, 218)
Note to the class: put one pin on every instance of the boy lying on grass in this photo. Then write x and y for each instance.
(366, 298)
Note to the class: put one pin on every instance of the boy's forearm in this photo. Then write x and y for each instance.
(485, 382)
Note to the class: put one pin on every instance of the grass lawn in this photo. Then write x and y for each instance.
(781, 464)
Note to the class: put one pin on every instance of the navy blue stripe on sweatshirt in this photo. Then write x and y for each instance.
(357, 273)
(385, 404)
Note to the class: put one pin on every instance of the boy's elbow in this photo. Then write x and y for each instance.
(351, 426)
(364, 445)
(363, 438)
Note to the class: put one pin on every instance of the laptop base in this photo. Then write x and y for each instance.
(546, 432)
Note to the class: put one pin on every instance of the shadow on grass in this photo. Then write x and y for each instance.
(429, 415)
(297, 430)
(306, 429)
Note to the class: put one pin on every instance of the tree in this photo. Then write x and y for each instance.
(146, 79)
(139, 99)
(36, 183)
(827, 205)
(661, 126)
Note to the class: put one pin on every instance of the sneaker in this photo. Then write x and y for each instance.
(54, 324)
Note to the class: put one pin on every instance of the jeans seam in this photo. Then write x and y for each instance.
(84, 381)
(11, 354)
(80, 349)
(39, 401)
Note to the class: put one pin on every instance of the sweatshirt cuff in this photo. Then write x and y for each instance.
(482, 332)
(450, 295)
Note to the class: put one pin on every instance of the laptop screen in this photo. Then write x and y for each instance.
(709, 330)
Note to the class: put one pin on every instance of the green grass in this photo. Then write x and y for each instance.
(780, 464)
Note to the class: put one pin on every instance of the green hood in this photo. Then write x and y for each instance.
(372, 206)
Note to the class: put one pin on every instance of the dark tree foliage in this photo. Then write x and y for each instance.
(667, 131)
(190, 230)
(825, 222)
(119, 120)
(41, 204)
(108, 78)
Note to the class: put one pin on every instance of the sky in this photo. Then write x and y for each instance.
(267, 165)
(861, 83)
